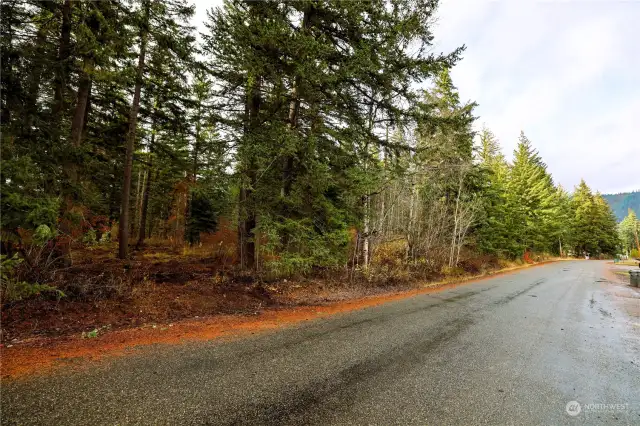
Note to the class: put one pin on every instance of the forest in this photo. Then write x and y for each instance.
(622, 202)
(290, 140)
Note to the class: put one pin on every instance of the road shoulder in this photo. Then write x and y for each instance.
(40, 356)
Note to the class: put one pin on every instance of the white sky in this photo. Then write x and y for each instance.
(565, 72)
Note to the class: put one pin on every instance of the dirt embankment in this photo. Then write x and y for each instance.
(268, 308)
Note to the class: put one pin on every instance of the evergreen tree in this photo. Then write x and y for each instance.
(595, 227)
(313, 82)
(493, 232)
(607, 225)
(162, 26)
(629, 229)
(304, 122)
(530, 193)
(562, 223)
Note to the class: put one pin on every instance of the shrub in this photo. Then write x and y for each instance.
(42, 252)
(42, 235)
(288, 265)
(479, 263)
(292, 247)
(390, 253)
(455, 271)
(12, 289)
(203, 217)
(89, 238)
(105, 237)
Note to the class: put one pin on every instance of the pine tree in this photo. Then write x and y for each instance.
(304, 122)
(584, 212)
(629, 229)
(123, 230)
(493, 231)
(530, 194)
(209, 194)
(595, 227)
(163, 29)
(563, 222)
(315, 80)
(608, 238)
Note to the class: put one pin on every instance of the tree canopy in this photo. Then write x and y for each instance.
(320, 131)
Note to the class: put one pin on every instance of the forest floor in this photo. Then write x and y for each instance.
(161, 286)
(175, 298)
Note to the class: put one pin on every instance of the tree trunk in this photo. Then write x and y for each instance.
(294, 108)
(152, 222)
(246, 207)
(31, 107)
(365, 232)
(123, 231)
(62, 66)
(411, 225)
(79, 115)
(144, 207)
(78, 123)
(367, 196)
(456, 219)
(61, 76)
(194, 168)
(136, 206)
(87, 109)
(287, 169)
(145, 204)
(294, 113)
(247, 224)
(382, 212)
(196, 149)
(288, 173)
(560, 244)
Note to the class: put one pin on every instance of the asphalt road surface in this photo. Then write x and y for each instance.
(514, 349)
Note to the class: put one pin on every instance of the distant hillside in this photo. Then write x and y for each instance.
(621, 203)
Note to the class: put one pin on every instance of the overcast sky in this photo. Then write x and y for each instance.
(565, 72)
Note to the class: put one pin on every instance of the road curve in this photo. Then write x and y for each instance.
(513, 349)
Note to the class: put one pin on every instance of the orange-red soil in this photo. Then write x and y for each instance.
(41, 355)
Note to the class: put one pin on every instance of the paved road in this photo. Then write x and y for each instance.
(509, 350)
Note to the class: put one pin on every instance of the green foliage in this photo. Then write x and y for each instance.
(23, 203)
(595, 228)
(296, 246)
(629, 231)
(13, 290)
(90, 334)
(90, 238)
(43, 235)
(311, 98)
(284, 124)
(524, 210)
(494, 226)
(203, 216)
(530, 195)
(105, 237)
